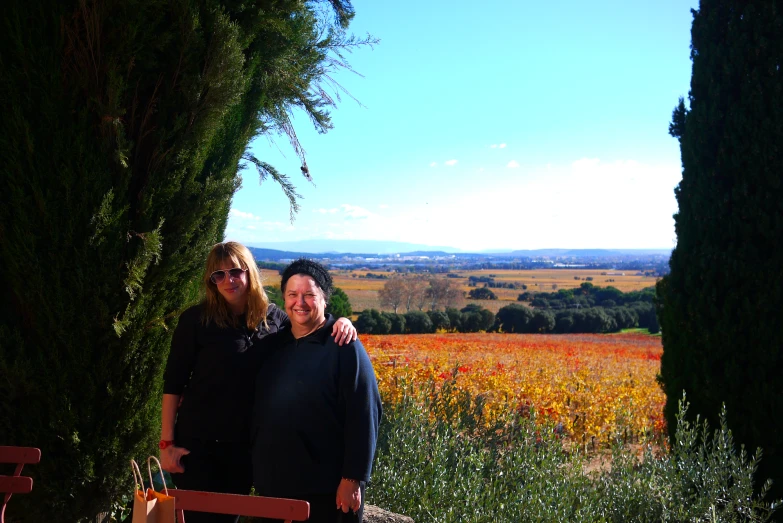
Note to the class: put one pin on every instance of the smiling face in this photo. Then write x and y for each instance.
(233, 290)
(304, 304)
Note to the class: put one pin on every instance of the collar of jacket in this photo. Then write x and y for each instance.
(320, 335)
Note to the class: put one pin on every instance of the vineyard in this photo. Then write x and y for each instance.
(593, 388)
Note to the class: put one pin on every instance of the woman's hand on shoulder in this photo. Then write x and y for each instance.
(170, 458)
(344, 331)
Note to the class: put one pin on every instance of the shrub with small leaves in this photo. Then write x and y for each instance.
(438, 462)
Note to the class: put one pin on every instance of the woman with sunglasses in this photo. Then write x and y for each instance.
(208, 385)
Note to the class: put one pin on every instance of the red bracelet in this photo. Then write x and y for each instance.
(353, 480)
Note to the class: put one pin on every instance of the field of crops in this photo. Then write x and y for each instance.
(593, 387)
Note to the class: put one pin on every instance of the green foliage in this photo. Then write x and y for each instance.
(417, 322)
(372, 321)
(275, 295)
(588, 295)
(397, 322)
(520, 319)
(123, 127)
(438, 461)
(542, 322)
(339, 304)
(475, 318)
(440, 320)
(455, 318)
(514, 318)
(482, 293)
(721, 303)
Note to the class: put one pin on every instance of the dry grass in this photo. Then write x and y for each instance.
(363, 292)
(270, 278)
(542, 280)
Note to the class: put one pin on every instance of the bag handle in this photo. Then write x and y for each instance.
(160, 468)
(137, 475)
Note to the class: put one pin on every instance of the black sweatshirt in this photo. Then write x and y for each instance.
(316, 415)
(214, 369)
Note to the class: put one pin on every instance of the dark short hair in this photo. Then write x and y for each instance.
(313, 269)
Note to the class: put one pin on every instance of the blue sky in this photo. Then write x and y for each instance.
(505, 125)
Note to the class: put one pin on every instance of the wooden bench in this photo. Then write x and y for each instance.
(16, 484)
(253, 506)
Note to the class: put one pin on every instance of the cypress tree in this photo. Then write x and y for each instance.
(721, 305)
(124, 126)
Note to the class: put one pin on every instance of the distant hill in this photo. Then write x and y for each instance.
(376, 247)
(351, 246)
(587, 253)
(275, 255)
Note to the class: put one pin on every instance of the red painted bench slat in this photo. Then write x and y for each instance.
(23, 455)
(16, 484)
(235, 504)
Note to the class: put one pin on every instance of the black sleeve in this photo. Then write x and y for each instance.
(182, 356)
(362, 401)
(277, 316)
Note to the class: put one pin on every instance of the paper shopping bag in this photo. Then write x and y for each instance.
(164, 504)
(143, 503)
(144, 507)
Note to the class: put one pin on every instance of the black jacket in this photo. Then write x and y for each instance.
(214, 369)
(316, 415)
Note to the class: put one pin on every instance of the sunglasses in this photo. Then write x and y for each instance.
(219, 276)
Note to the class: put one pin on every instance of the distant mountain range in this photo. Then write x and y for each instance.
(587, 253)
(351, 246)
(277, 250)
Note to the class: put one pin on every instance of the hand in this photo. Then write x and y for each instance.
(349, 496)
(170, 458)
(344, 331)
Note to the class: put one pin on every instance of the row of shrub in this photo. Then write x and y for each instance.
(519, 318)
(511, 318)
(587, 295)
(490, 282)
(438, 461)
(470, 319)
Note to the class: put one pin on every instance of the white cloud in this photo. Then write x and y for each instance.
(349, 211)
(586, 164)
(502, 146)
(275, 226)
(354, 211)
(433, 164)
(258, 232)
(493, 146)
(640, 215)
(513, 164)
(451, 162)
(236, 213)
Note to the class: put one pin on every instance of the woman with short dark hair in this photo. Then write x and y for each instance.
(317, 407)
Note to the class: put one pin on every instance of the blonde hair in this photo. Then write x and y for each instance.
(216, 309)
